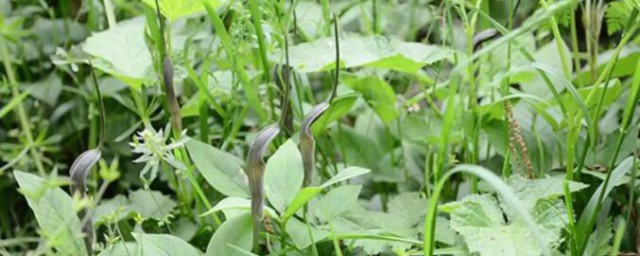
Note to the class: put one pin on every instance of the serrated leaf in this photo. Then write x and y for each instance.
(151, 204)
(54, 211)
(479, 219)
(222, 170)
(283, 175)
(550, 187)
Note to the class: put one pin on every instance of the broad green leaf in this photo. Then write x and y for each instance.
(122, 249)
(221, 169)
(235, 206)
(54, 211)
(550, 187)
(409, 208)
(549, 56)
(122, 52)
(304, 195)
(378, 94)
(348, 173)
(174, 9)
(338, 108)
(162, 244)
(151, 204)
(299, 233)
(236, 231)
(370, 51)
(612, 94)
(46, 90)
(336, 202)
(283, 175)
(367, 150)
(625, 65)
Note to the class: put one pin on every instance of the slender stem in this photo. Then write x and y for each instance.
(101, 104)
(24, 122)
(111, 17)
(566, 68)
(334, 90)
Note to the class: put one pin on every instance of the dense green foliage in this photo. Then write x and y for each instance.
(318, 127)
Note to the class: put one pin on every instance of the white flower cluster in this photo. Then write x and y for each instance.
(154, 149)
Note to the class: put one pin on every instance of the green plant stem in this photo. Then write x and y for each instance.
(24, 122)
(257, 23)
(256, 15)
(326, 15)
(566, 68)
(111, 17)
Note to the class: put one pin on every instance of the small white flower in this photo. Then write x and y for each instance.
(153, 148)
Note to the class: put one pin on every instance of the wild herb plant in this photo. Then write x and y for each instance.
(344, 127)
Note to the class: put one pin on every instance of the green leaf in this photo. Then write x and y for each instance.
(348, 173)
(46, 90)
(162, 244)
(617, 174)
(336, 202)
(378, 94)
(408, 208)
(479, 219)
(370, 51)
(338, 108)
(151, 204)
(625, 64)
(305, 195)
(235, 206)
(300, 234)
(174, 9)
(549, 55)
(122, 52)
(54, 211)
(222, 170)
(114, 209)
(618, 14)
(237, 232)
(122, 249)
(599, 241)
(283, 175)
(550, 187)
